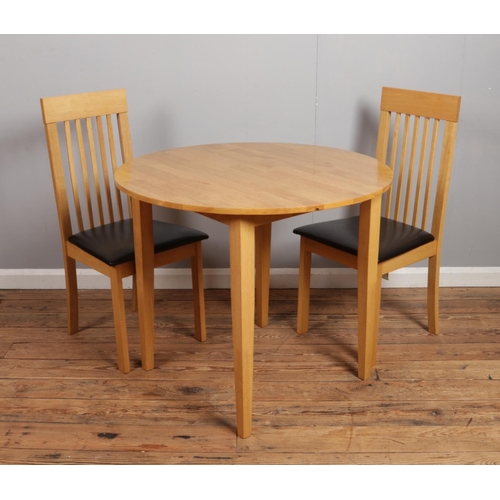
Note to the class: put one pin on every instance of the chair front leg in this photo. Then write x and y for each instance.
(304, 288)
(200, 327)
(376, 319)
(120, 321)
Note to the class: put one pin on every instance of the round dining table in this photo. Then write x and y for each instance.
(248, 186)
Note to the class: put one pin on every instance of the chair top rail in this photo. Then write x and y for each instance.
(412, 102)
(78, 106)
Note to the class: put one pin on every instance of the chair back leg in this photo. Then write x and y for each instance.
(134, 293)
(200, 328)
(433, 294)
(304, 288)
(71, 294)
(262, 273)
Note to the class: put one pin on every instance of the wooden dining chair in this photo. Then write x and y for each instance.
(82, 132)
(416, 138)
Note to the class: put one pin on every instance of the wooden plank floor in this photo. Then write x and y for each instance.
(431, 400)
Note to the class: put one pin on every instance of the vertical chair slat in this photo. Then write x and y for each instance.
(423, 149)
(104, 165)
(411, 167)
(124, 130)
(83, 163)
(447, 151)
(112, 153)
(392, 163)
(430, 169)
(95, 171)
(56, 167)
(125, 144)
(72, 172)
(384, 128)
(402, 167)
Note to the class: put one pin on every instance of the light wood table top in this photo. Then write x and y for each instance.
(254, 178)
(248, 186)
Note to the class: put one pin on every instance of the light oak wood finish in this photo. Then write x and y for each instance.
(248, 186)
(93, 126)
(434, 399)
(263, 272)
(416, 137)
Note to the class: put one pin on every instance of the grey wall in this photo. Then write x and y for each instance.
(187, 89)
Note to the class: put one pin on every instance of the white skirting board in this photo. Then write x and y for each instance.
(410, 277)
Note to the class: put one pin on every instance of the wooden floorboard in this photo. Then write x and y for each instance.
(430, 400)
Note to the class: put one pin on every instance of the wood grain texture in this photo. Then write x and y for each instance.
(410, 158)
(430, 400)
(246, 185)
(81, 116)
(254, 178)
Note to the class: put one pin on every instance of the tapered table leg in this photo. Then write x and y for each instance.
(262, 273)
(242, 261)
(144, 263)
(368, 286)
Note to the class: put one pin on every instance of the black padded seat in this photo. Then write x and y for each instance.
(396, 237)
(114, 243)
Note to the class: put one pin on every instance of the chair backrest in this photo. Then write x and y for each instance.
(84, 123)
(416, 138)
